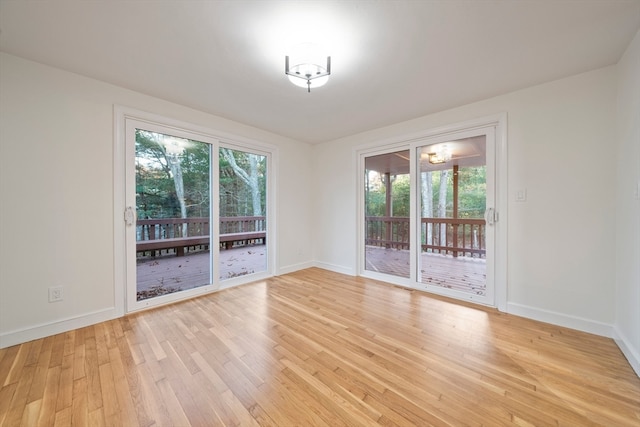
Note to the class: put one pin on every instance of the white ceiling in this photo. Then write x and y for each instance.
(391, 60)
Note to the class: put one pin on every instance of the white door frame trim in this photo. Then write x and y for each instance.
(499, 121)
(120, 116)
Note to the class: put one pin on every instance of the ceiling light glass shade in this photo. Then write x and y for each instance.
(304, 70)
(174, 146)
(307, 67)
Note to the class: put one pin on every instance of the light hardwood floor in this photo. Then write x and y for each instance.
(316, 348)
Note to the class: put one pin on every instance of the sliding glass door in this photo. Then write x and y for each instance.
(387, 239)
(453, 192)
(196, 214)
(428, 214)
(243, 222)
(172, 230)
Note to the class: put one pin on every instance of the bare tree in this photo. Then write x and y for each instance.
(251, 178)
(173, 158)
(175, 170)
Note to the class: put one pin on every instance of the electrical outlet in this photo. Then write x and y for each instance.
(56, 293)
(521, 195)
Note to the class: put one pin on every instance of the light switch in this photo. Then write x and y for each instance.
(521, 195)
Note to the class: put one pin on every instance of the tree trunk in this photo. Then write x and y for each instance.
(442, 204)
(173, 160)
(176, 171)
(255, 185)
(427, 204)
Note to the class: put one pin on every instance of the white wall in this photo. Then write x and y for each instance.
(57, 198)
(561, 241)
(627, 308)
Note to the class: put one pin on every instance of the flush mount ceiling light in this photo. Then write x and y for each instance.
(306, 67)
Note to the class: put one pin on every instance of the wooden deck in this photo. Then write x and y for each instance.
(462, 273)
(316, 348)
(192, 270)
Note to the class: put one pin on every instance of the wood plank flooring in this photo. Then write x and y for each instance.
(316, 348)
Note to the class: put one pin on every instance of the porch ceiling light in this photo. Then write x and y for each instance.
(441, 155)
(306, 67)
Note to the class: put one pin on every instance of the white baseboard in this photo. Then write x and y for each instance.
(335, 268)
(295, 267)
(44, 330)
(632, 354)
(573, 322)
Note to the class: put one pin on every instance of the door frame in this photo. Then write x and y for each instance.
(411, 141)
(123, 249)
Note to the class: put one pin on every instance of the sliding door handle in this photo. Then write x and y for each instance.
(129, 215)
(490, 216)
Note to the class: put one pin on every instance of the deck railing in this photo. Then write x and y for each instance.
(176, 234)
(171, 228)
(458, 237)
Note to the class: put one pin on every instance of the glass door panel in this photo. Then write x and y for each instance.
(387, 213)
(453, 201)
(172, 199)
(243, 222)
